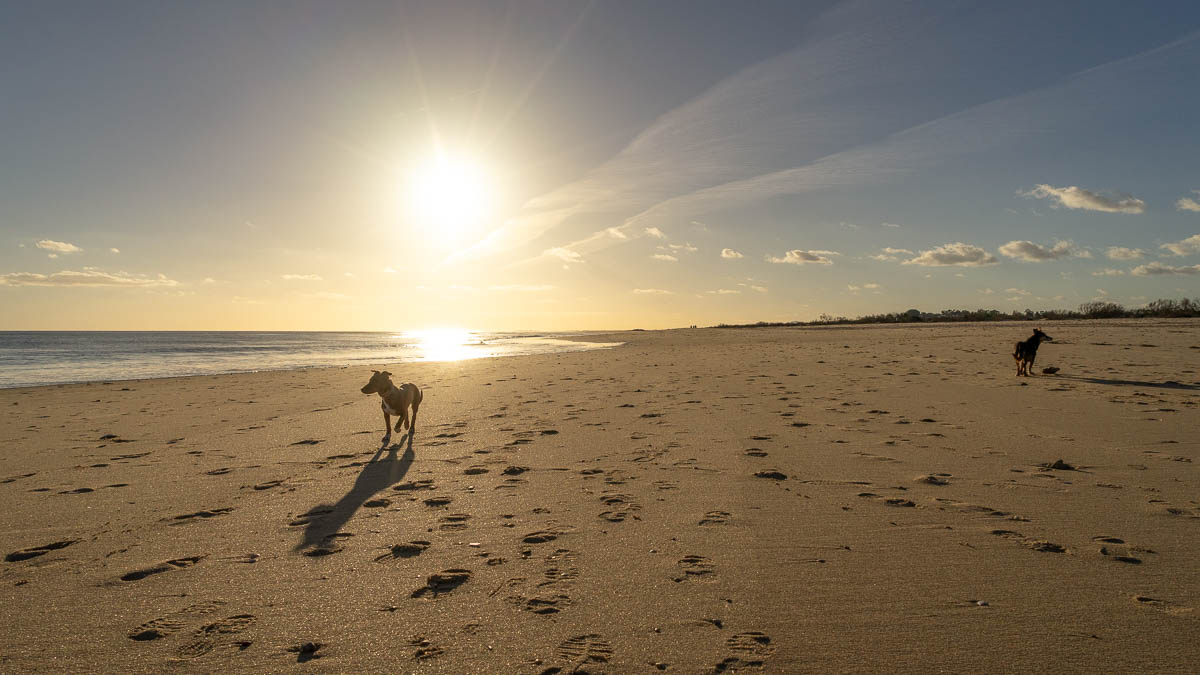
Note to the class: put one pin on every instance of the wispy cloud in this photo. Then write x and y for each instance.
(300, 277)
(564, 254)
(86, 277)
(724, 291)
(1031, 252)
(57, 247)
(1157, 268)
(114, 250)
(893, 225)
(654, 232)
(651, 291)
(1186, 247)
(782, 127)
(802, 257)
(1122, 253)
(1078, 198)
(685, 247)
(1108, 272)
(665, 257)
(731, 254)
(889, 254)
(958, 253)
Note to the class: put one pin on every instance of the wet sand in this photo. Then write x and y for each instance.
(857, 499)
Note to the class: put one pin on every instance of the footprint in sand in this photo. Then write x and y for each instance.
(423, 649)
(755, 452)
(454, 521)
(35, 551)
(442, 583)
(161, 627)
(200, 515)
(178, 563)
(621, 506)
(695, 567)
(1115, 549)
(750, 651)
(716, 518)
(212, 636)
(1165, 606)
(410, 550)
(581, 650)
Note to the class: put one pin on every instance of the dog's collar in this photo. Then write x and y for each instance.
(391, 387)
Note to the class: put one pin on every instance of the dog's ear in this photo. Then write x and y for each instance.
(375, 371)
(387, 373)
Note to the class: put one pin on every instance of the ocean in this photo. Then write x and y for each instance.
(30, 358)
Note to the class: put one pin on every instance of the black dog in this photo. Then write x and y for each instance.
(1026, 351)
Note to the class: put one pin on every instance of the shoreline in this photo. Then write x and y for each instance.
(833, 500)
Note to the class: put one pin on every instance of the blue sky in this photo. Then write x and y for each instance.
(244, 165)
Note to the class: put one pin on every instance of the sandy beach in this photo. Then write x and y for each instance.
(836, 499)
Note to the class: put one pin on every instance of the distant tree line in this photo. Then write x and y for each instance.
(1089, 310)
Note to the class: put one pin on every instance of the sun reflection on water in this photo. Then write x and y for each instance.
(447, 344)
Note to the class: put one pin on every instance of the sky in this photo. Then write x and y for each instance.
(569, 165)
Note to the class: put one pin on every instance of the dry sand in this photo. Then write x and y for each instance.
(823, 500)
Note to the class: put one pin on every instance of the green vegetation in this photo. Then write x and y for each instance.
(1089, 310)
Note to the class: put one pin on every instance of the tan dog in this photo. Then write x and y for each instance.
(396, 401)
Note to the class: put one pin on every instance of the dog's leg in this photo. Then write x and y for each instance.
(387, 428)
(402, 422)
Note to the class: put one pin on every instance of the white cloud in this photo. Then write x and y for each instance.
(1187, 203)
(986, 291)
(1122, 253)
(616, 233)
(758, 289)
(651, 291)
(1017, 291)
(665, 257)
(1108, 272)
(872, 286)
(852, 288)
(87, 277)
(1186, 247)
(683, 247)
(56, 247)
(801, 257)
(655, 232)
(958, 253)
(1157, 268)
(889, 225)
(724, 291)
(300, 277)
(208, 281)
(889, 254)
(390, 270)
(564, 254)
(731, 254)
(522, 288)
(1078, 198)
(1031, 252)
(114, 250)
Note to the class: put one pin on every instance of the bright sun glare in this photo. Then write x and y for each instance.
(448, 198)
(447, 344)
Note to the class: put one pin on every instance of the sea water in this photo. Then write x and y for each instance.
(29, 358)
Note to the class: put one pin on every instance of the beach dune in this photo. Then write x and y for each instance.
(835, 499)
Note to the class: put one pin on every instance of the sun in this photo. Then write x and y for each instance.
(448, 198)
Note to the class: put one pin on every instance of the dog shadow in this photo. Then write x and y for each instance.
(1169, 384)
(381, 472)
